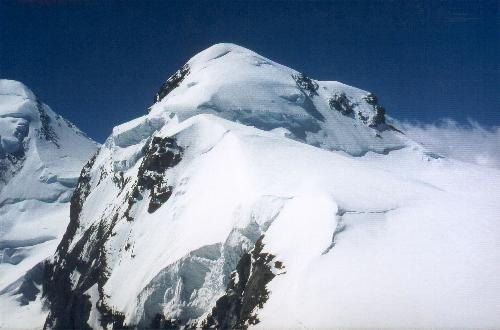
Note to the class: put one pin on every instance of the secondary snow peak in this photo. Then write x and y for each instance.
(41, 155)
(15, 88)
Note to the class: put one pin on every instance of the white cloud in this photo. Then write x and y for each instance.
(471, 142)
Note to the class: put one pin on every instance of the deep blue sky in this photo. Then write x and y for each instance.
(100, 63)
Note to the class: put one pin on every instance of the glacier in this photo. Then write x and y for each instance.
(251, 195)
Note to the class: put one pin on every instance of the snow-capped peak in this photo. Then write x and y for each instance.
(221, 49)
(41, 156)
(240, 85)
(28, 126)
(15, 88)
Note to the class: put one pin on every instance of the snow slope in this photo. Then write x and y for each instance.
(253, 195)
(41, 155)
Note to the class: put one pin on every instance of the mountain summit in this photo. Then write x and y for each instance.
(253, 195)
(237, 84)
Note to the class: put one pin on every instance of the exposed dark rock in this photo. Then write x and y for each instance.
(371, 99)
(363, 118)
(81, 192)
(68, 302)
(379, 118)
(246, 291)
(172, 83)
(102, 174)
(159, 322)
(12, 159)
(119, 180)
(133, 196)
(161, 154)
(68, 308)
(46, 131)
(159, 195)
(10, 164)
(306, 84)
(110, 316)
(342, 103)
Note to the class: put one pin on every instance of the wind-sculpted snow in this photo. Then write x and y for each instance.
(41, 155)
(172, 83)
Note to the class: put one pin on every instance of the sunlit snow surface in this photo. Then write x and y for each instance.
(372, 230)
(41, 155)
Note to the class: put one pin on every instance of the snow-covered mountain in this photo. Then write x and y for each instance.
(253, 195)
(41, 155)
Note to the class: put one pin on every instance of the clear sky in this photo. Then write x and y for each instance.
(99, 63)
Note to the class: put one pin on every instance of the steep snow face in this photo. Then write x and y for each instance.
(212, 211)
(41, 155)
(237, 84)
